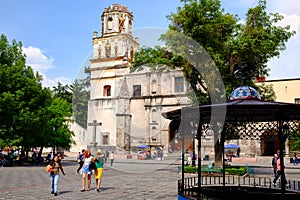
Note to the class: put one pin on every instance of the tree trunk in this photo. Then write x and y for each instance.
(218, 154)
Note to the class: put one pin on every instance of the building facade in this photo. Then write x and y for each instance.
(124, 110)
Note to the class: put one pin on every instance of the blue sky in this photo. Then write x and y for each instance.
(57, 34)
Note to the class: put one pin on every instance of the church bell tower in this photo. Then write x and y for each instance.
(109, 97)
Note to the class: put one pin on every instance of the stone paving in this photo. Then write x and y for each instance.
(127, 179)
(33, 182)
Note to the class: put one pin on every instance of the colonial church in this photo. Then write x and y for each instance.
(124, 110)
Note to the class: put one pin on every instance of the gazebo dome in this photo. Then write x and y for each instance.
(244, 92)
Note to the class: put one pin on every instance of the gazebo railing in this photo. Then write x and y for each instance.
(191, 183)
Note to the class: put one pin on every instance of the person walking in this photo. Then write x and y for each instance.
(86, 171)
(111, 159)
(106, 156)
(274, 164)
(80, 161)
(295, 159)
(54, 174)
(278, 174)
(99, 159)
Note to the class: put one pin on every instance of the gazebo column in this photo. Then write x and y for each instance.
(281, 146)
(199, 135)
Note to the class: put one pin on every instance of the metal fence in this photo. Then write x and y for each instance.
(190, 186)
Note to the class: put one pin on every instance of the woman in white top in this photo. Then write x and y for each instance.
(86, 172)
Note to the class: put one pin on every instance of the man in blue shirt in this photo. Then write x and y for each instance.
(80, 160)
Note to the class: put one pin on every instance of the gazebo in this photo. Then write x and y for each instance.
(245, 112)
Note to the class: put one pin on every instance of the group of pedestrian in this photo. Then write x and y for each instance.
(87, 169)
(85, 160)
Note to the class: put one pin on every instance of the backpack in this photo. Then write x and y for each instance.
(49, 168)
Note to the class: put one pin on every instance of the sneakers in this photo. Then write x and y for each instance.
(55, 194)
(52, 192)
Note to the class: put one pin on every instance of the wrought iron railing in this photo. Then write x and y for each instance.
(191, 183)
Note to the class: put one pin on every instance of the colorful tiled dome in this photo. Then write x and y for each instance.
(244, 92)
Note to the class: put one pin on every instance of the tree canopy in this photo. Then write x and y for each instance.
(202, 37)
(230, 43)
(30, 115)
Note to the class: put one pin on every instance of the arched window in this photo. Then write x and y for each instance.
(153, 134)
(154, 87)
(110, 23)
(153, 115)
(107, 90)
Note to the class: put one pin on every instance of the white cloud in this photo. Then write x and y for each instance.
(292, 20)
(287, 65)
(41, 63)
(37, 60)
(290, 7)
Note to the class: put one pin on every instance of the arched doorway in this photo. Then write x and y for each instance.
(174, 141)
(269, 143)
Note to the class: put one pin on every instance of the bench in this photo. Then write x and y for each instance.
(210, 169)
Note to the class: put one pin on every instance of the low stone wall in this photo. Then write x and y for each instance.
(244, 160)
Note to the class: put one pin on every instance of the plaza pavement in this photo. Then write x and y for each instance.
(127, 179)
(33, 182)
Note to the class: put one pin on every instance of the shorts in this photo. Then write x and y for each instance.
(98, 173)
(86, 169)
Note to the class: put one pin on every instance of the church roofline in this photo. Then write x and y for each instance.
(117, 8)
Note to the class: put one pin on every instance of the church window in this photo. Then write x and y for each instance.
(105, 139)
(110, 23)
(153, 134)
(179, 84)
(154, 87)
(137, 91)
(107, 90)
(153, 116)
(107, 50)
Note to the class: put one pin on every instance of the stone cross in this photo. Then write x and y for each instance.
(94, 124)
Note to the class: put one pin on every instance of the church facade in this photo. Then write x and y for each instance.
(124, 110)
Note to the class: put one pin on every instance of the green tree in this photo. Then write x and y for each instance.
(57, 131)
(63, 91)
(21, 96)
(81, 96)
(230, 44)
(29, 115)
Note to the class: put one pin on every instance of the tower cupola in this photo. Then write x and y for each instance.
(116, 19)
